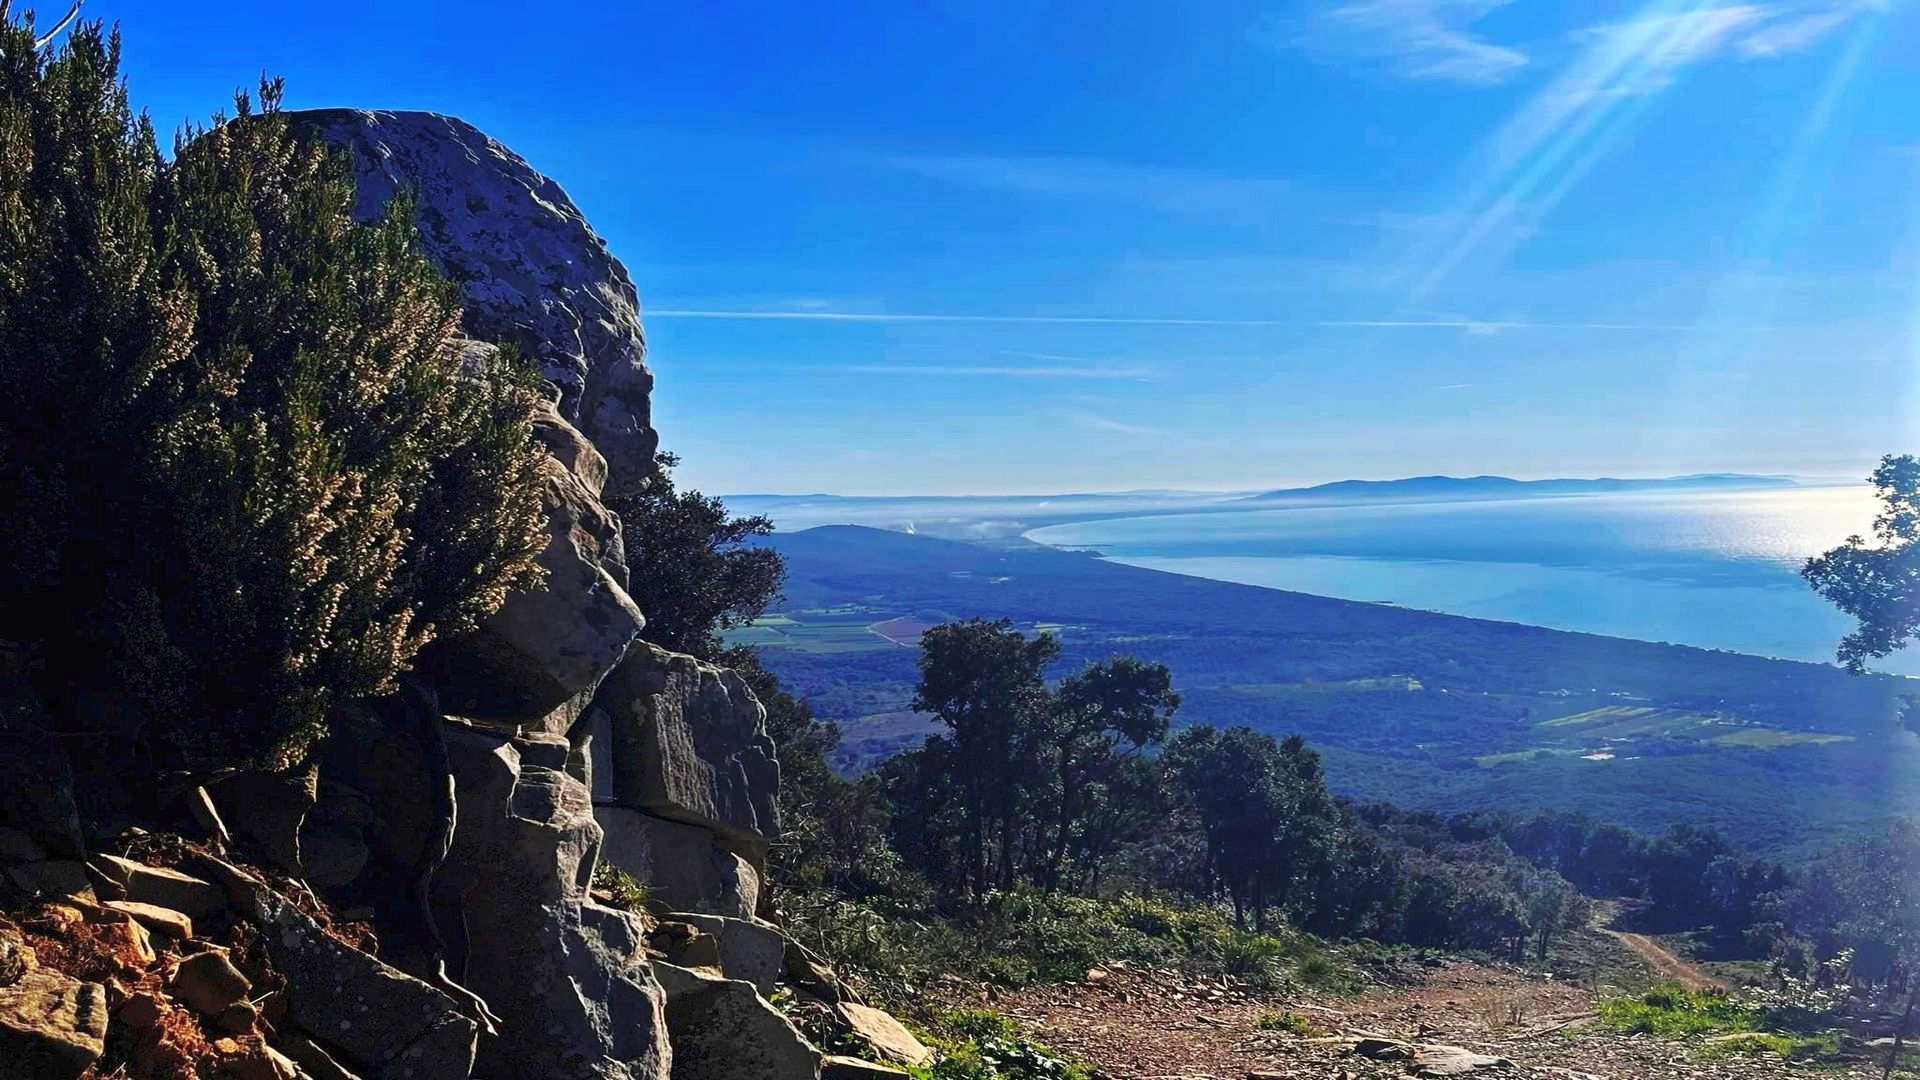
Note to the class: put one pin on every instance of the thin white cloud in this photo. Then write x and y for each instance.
(1416, 39)
(1172, 191)
(1096, 422)
(998, 371)
(1791, 32)
(1476, 326)
(1758, 31)
(1438, 40)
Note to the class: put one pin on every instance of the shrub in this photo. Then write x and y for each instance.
(980, 1044)
(616, 888)
(246, 476)
(1292, 1023)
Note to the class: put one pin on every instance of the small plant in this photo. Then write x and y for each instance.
(1291, 1023)
(1319, 971)
(1671, 1009)
(978, 1024)
(980, 1044)
(616, 888)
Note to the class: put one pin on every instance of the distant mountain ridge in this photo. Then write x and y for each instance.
(1438, 488)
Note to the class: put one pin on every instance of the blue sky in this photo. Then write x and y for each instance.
(1021, 247)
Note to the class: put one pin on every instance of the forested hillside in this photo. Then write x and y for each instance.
(1430, 710)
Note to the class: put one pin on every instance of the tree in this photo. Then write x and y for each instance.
(1878, 581)
(1235, 780)
(1101, 719)
(251, 481)
(986, 682)
(694, 570)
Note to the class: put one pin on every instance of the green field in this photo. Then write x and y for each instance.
(1379, 684)
(1762, 738)
(1616, 731)
(847, 628)
(1626, 721)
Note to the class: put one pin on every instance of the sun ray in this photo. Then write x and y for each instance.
(1527, 166)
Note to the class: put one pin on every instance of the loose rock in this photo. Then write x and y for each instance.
(52, 1027)
(174, 924)
(208, 982)
(163, 887)
(879, 1030)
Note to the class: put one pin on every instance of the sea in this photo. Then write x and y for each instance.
(1716, 569)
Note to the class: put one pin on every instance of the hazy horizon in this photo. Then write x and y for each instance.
(1280, 485)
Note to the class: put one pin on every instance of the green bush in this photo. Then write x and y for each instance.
(1292, 1023)
(245, 475)
(979, 1044)
(900, 946)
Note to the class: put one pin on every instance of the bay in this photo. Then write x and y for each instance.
(1713, 569)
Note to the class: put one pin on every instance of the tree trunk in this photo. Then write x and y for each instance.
(1900, 1036)
(1063, 821)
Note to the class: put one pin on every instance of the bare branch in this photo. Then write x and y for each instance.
(41, 41)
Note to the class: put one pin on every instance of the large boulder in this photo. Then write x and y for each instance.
(531, 270)
(685, 867)
(537, 661)
(686, 741)
(723, 1030)
(749, 950)
(567, 979)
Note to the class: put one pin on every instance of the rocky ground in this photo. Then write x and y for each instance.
(1150, 1025)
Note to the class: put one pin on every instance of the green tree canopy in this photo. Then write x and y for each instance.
(1877, 581)
(248, 477)
(693, 568)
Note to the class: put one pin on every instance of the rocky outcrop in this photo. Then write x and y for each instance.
(686, 867)
(532, 274)
(531, 270)
(686, 741)
(375, 1019)
(568, 980)
(537, 661)
(457, 825)
(684, 781)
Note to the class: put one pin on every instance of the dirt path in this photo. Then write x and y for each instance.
(1663, 961)
(1137, 1024)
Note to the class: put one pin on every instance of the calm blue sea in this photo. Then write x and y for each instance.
(1711, 569)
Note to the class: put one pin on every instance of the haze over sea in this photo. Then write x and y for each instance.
(1713, 569)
